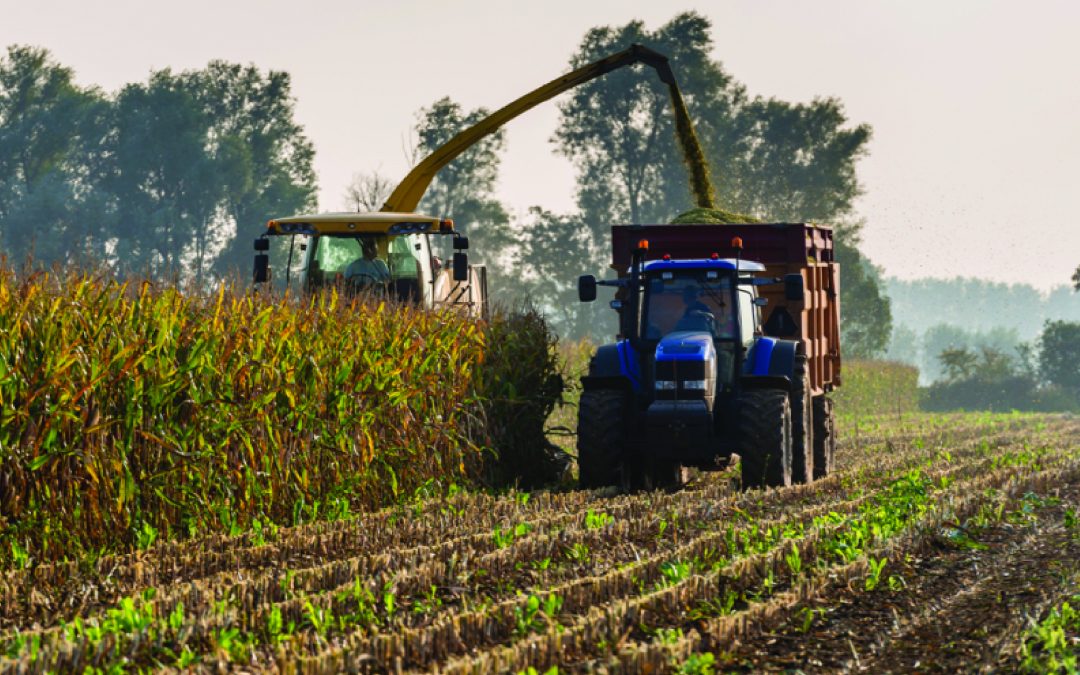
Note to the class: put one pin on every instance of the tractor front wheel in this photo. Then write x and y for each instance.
(765, 445)
(601, 437)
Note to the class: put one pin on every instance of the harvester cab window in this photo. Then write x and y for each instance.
(405, 256)
(680, 302)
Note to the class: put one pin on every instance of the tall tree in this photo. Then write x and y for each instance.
(50, 131)
(465, 188)
(264, 157)
(167, 182)
(554, 251)
(865, 310)
(799, 164)
(770, 158)
(367, 191)
(619, 129)
(1059, 355)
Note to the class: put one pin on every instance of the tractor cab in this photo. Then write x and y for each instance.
(383, 253)
(695, 311)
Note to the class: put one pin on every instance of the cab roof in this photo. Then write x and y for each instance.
(704, 264)
(378, 222)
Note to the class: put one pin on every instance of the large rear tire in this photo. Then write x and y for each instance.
(601, 437)
(824, 436)
(802, 425)
(765, 438)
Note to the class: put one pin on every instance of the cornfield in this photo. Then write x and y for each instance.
(131, 412)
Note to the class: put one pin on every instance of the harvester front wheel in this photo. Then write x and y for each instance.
(601, 437)
(765, 445)
(824, 436)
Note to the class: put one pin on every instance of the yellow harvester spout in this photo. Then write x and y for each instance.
(410, 191)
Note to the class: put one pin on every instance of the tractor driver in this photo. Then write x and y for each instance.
(700, 316)
(368, 269)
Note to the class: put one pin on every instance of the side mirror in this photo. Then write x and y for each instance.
(461, 267)
(461, 243)
(262, 244)
(793, 287)
(586, 288)
(262, 268)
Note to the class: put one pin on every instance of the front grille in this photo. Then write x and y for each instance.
(680, 370)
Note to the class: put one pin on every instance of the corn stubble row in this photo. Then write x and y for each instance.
(431, 528)
(622, 585)
(132, 412)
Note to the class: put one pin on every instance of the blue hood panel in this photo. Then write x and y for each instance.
(686, 346)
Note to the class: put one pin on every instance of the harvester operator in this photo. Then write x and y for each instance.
(368, 269)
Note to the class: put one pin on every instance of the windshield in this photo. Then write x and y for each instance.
(334, 255)
(697, 300)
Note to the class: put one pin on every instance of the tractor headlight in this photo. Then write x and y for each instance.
(694, 385)
(665, 385)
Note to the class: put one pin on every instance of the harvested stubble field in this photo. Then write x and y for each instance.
(934, 547)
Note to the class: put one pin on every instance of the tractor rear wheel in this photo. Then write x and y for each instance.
(765, 438)
(601, 437)
(802, 426)
(824, 436)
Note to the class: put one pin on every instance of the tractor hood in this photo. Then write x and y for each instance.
(685, 367)
(687, 346)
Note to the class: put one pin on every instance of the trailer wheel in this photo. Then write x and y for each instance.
(765, 438)
(802, 426)
(824, 436)
(600, 437)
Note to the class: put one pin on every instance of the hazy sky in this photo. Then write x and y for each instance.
(975, 104)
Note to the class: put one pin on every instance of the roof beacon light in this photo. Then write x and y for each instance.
(715, 256)
(446, 225)
(667, 256)
(736, 243)
(643, 244)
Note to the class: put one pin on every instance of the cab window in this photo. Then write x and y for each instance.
(747, 315)
(404, 259)
(688, 301)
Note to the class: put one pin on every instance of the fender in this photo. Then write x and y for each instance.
(613, 367)
(770, 363)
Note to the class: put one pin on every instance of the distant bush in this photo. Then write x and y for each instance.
(877, 387)
(1015, 392)
(127, 406)
(991, 379)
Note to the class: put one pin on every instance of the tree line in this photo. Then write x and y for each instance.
(159, 176)
(1042, 375)
(154, 178)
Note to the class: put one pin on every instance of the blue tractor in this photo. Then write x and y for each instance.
(693, 378)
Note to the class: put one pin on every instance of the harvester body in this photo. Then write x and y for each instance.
(699, 373)
(424, 279)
